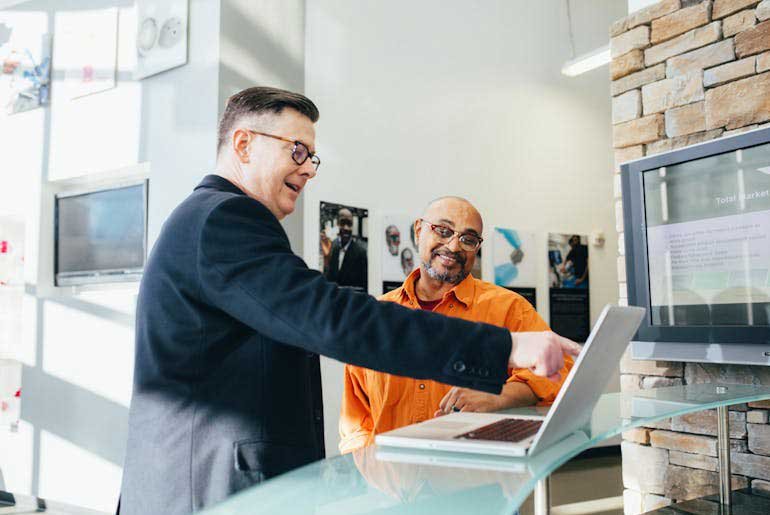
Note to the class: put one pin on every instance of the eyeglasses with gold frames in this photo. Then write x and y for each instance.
(300, 153)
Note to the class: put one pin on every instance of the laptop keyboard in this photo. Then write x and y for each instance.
(505, 430)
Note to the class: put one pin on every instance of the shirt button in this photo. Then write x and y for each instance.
(451, 305)
(422, 386)
(459, 366)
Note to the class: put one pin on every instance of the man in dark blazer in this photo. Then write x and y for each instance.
(228, 319)
(345, 258)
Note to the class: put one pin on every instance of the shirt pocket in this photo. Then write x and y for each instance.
(385, 389)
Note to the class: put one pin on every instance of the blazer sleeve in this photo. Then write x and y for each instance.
(246, 268)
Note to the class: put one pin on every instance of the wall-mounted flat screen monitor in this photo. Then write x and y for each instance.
(100, 235)
(697, 229)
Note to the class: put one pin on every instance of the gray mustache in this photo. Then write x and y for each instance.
(457, 256)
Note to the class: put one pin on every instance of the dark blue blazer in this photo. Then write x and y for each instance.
(225, 389)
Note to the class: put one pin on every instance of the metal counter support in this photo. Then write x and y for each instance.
(543, 496)
(723, 454)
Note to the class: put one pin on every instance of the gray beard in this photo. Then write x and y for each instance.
(445, 277)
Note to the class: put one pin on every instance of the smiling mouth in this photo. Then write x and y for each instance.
(292, 187)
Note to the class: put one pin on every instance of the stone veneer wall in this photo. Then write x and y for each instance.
(684, 72)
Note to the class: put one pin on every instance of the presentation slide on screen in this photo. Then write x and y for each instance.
(720, 260)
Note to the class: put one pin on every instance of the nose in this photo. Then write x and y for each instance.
(454, 243)
(308, 169)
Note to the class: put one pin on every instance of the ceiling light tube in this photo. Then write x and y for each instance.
(586, 62)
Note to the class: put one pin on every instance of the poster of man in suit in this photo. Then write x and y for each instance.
(344, 240)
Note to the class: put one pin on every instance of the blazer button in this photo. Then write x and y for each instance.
(484, 372)
(459, 366)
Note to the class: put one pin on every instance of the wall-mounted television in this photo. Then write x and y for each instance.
(100, 234)
(697, 236)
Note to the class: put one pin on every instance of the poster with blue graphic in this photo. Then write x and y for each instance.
(515, 261)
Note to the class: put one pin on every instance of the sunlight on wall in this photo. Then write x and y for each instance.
(73, 475)
(16, 454)
(97, 359)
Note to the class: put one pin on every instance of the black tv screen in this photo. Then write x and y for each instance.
(100, 236)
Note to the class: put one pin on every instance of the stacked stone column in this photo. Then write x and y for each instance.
(685, 72)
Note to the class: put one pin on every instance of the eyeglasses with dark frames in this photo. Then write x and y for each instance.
(300, 153)
(469, 242)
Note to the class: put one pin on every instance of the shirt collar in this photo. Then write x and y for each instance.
(463, 292)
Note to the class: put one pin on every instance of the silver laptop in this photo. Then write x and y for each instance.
(519, 435)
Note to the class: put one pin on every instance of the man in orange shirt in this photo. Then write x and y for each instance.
(448, 237)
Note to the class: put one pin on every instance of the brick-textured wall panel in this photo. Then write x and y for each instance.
(644, 468)
(641, 130)
(763, 10)
(681, 141)
(626, 64)
(679, 22)
(729, 72)
(697, 60)
(631, 40)
(638, 79)
(738, 103)
(753, 40)
(627, 106)
(697, 444)
(684, 483)
(758, 416)
(640, 435)
(763, 62)
(667, 93)
(705, 423)
(684, 43)
(738, 22)
(751, 465)
(723, 8)
(685, 120)
(721, 62)
(759, 439)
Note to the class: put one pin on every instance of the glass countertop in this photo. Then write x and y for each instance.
(18, 504)
(380, 479)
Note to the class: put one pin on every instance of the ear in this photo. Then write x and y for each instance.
(241, 141)
(417, 231)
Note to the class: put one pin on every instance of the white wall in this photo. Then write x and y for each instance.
(423, 99)
(78, 351)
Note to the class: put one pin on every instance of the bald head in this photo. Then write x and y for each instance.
(456, 206)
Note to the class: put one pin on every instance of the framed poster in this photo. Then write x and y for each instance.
(343, 245)
(86, 49)
(399, 250)
(568, 281)
(515, 263)
(25, 57)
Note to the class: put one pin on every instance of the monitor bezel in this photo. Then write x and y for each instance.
(635, 235)
(100, 276)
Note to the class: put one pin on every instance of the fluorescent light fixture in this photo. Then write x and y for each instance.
(586, 62)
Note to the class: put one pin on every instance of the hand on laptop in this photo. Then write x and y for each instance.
(541, 352)
(464, 399)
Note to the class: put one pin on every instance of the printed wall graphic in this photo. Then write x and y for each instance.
(343, 245)
(11, 318)
(161, 36)
(86, 49)
(568, 281)
(515, 261)
(399, 250)
(25, 57)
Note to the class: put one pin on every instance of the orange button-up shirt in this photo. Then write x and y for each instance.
(375, 402)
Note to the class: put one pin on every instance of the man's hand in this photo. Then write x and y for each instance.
(542, 353)
(326, 245)
(464, 399)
